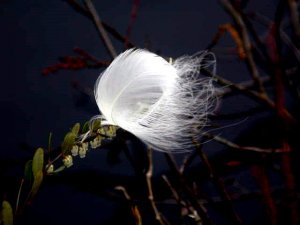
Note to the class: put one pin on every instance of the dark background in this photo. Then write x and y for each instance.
(35, 33)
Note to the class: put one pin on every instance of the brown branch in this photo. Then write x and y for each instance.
(201, 210)
(187, 161)
(246, 44)
(101, 29)
(293, 7)
(134, 209)
(133, 16)
(230, 212)
(190, 209)
(83, 11)
(158, 215)
(285, 38)
(261, 97)
(259, 172)
(239, 147)
(280, 105)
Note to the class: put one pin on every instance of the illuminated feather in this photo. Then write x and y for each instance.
(163, 104)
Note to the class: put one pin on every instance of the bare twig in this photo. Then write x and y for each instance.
(261, 97)
(293, 7)
(260, 174)
(239, 147)
(201, 210)
(134, 209)
(126, 195)
(187, 161)
(190, 209)
(220, 186)
(83, 11)
(133, 16)
(101, 29)
(158, 216)
(246, 43)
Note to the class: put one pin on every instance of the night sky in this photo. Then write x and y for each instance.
(34, 34)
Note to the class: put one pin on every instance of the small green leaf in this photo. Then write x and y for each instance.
(7, 213)
(85, 127)
(76, 128)
(68, 142)
(28, 175)
(38, 162)
(36, 184)
(96, 124)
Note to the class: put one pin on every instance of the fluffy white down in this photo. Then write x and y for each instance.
(165, 105)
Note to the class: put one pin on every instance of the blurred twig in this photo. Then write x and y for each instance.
(158, 215)
(201, 210)
(245, 90)
(230, 212)
(239, 147)
(83, 11)
(102, 31)
(294, 16)
(133, 15)
(184, 205)
(134, 209)
(246, 44)
(259, 173)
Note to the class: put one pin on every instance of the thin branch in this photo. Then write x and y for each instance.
(201, 210)
(239, 147)
(187, 161)
(149, 173)
(261, 97)
(133, 16)
(83, 11)
(124, 191)
(219, 185)
(293, 7)
(134, 209)
(182, 203)
(259, 172)
(246, 43)
(101, 29)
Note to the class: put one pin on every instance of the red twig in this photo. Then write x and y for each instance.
(260, 174)
(134, 11)
(83, 61)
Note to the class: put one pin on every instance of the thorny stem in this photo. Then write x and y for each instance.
(101, 29)
(158, 216)
(219, 185)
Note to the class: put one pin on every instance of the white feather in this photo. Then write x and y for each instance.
(165, 105)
